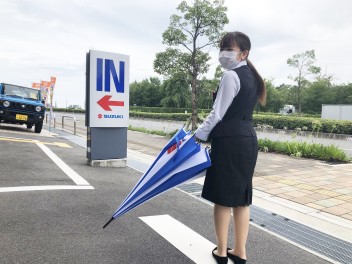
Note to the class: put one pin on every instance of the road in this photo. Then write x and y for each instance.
(169, 126)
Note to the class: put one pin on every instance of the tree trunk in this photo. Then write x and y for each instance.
(299, 97)
(194, 102)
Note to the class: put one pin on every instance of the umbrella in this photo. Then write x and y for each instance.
(180, 160)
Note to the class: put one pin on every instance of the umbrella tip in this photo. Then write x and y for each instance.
(108, 222)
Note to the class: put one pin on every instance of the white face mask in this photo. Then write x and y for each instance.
(228, 59)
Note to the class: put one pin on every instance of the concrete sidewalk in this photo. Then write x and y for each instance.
(311, 192)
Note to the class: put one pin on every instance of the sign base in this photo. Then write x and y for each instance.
(112, 163)
(106, 143)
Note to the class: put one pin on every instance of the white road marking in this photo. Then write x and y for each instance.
(45, 188)
(190, 243)
(63, 166)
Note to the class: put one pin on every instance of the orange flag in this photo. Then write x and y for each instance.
(53, 81)
(45, 84)
(36, 85)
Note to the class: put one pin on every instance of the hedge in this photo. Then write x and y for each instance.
(69, 110)
(277, 122)
(164, 109)
(274, 121)
(305, 123)
(164, 116)
(149, 109)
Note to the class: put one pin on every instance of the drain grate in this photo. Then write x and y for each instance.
(191, 188)
(329, 246)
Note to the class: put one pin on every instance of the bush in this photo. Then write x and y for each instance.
(270, 121)
(68, 110)
(164, 109)
(310, 124)
(304, 149)
(165, 116)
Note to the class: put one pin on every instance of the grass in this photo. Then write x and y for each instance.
(292, 148)
(304, 149)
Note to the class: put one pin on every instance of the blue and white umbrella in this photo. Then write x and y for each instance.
(182, 159)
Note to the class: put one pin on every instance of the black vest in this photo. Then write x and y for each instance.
(237, 120)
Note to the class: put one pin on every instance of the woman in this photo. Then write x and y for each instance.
(234, 146)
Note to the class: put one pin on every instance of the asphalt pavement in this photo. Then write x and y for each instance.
(61, 219)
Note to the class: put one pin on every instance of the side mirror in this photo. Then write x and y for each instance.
(43, 102)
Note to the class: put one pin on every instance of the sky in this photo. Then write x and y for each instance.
(43, 38)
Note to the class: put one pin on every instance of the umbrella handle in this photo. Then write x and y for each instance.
(108, 222)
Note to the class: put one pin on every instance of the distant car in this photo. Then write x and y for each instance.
(21, 105)
(288, 110)
(74, 107)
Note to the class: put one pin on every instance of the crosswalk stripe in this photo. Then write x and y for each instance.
(190, 243)
(45, 188)
(79, 180)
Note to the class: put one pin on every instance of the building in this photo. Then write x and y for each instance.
(337, 112)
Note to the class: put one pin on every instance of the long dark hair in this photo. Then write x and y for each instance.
(242, 41)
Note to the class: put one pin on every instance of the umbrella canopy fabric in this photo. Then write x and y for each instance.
(180, 160)
(173, 141)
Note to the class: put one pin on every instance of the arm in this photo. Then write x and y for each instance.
(229, 88)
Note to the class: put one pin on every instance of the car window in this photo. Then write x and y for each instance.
(22, 92)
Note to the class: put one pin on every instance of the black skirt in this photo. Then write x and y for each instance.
(228, 182)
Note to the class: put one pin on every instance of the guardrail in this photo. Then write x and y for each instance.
(74, 123)
(63, 122)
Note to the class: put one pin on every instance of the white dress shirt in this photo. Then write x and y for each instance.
(228, 89)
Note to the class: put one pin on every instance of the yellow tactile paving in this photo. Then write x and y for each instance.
(328, 193)
(307, 187)
(347, 198)
(22, 140)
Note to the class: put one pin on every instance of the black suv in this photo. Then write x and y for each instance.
(21, 105)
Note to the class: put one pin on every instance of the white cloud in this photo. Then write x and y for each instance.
(46, 38)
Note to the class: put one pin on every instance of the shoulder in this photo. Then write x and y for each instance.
(230, 76)
(230, 79)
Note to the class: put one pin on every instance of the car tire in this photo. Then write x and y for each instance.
(38, 127)
(29, 126)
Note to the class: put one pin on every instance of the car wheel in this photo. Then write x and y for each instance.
(38, 127)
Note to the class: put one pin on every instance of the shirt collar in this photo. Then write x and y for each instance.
(241, 63)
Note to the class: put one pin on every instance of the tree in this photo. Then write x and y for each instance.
(198, 26)
(176, 92)
(146, 93)
(343, 94)
(303, 63)
(275, 100)
(207, 87)
(318, 93)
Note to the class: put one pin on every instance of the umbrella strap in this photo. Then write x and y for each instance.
(177, 143)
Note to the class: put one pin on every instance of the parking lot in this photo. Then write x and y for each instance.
(54, 206)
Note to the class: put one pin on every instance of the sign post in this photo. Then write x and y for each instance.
(107, 108)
